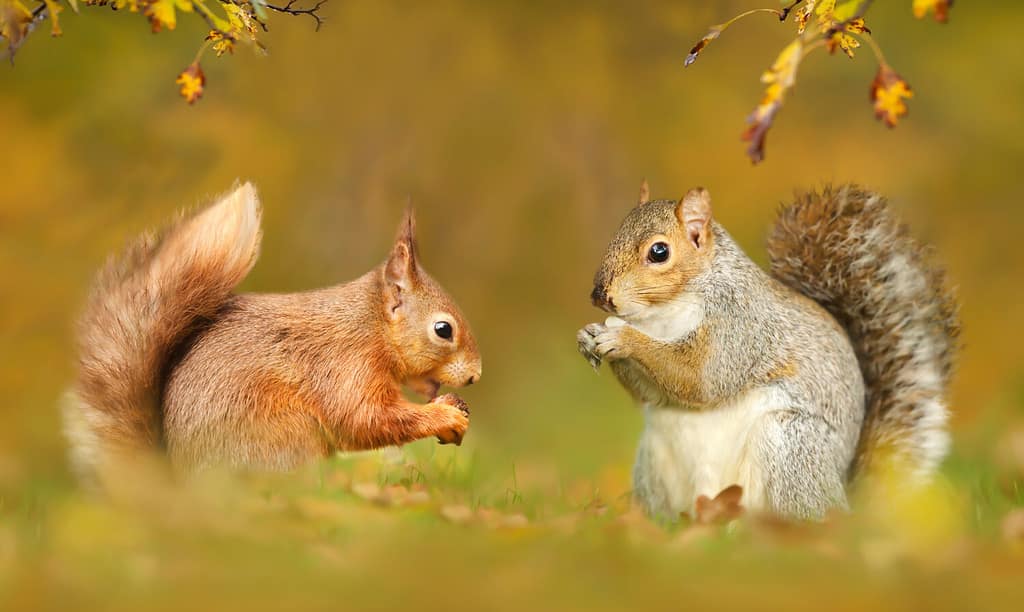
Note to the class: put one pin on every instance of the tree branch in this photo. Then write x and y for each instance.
(312, 11)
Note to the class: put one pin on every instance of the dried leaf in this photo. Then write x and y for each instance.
(888, 92)
(1013, 526)
(457, 514)
(780, 78)
(712, 34)
(939, 7)
(191, 81)
(842, 40)
(14, 23)
(723, 508)
(221, 44)
(803, 16)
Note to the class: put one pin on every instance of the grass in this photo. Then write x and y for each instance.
(436, 527)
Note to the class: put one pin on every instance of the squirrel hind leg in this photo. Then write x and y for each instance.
(803, 470)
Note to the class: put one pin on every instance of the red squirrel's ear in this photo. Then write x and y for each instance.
(694, 214)
(400, 269)
(645, 193)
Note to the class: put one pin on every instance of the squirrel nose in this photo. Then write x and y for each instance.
(600, 298)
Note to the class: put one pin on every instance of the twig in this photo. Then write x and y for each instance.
(312, 11)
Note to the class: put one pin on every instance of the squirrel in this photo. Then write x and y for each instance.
(172, 361)
(792, 384)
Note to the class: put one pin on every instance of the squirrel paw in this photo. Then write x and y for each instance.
(598, 342)
(455, 420)
(586, 343)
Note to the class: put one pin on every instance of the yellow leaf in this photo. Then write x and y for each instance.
(221, 44)
(842, 40)
(712, 34)
(779, 78)
(14, 22)
(939, 7)
(888, 91)
(803, 15)
(53, 8)
(161, 13)
(191, 81)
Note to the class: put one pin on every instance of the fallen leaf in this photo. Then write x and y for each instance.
(191, 81)
(458, 514)
(369, 491)
(723, 508)
(888, 92)
(1013, 526)
(939, 7)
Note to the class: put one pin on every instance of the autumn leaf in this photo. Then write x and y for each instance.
(162, 14)
(221, 44)
(53, 8)
(779, 78)
(723, 508)
(842, 40)
(14, 23)
(939, 7)
(712, 34)
(888, 92)
(803, 16)
(191, 81)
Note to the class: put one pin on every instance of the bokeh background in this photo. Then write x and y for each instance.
(522, 131)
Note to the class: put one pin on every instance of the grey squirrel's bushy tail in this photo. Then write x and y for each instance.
(844, 248)
(141, 305)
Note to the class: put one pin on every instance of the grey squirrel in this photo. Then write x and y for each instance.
(171, 359)
(790, 384)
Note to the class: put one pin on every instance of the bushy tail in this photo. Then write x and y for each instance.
(142, 304)
(844, 248)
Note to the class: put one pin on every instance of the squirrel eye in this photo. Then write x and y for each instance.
(658, 253)
(443, 329)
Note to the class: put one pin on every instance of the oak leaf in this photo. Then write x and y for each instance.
(191, 81)
(888, 92)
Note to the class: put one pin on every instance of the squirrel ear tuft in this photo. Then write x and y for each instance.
(694, 213)
(645, 193)
(400, 268)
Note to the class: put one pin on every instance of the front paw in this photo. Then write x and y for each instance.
(586, 343)
(453, 419)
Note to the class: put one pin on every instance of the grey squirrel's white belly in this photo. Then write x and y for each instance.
(684, 454)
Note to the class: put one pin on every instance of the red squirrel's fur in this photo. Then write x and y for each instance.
(171, 359)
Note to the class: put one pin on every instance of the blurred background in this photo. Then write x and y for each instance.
(522, 131)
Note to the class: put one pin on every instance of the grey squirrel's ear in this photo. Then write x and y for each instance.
(645, 193)
(694, 214)
(400, 269)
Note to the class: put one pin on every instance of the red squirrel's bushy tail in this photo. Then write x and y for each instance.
(141, 305)
(844, 248)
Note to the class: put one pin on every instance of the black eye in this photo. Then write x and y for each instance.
(658, 253)
(443, 329)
